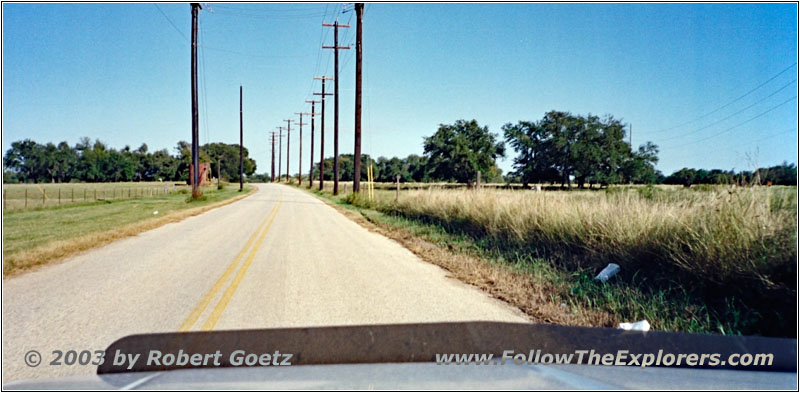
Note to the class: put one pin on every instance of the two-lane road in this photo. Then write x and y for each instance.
(278, 258)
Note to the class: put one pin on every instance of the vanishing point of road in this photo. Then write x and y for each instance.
(277, 258)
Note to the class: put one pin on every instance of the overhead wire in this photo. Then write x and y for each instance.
(171, 22)
(731, 115)
(730, 102)
(737, 125)
(204, 72)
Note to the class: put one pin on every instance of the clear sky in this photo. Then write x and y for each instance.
(703, 81)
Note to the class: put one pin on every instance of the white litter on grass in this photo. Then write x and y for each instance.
(642, 325)
(609, 271)
(155, 212)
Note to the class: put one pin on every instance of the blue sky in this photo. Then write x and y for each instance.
(676, 72)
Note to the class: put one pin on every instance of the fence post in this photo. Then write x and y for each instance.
(59, 196)
(26, 198)
(44, 197)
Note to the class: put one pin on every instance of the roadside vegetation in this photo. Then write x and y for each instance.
(42, 235)
(715, 259)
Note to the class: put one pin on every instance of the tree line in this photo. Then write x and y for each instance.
(561, 148)
(30, 162)
(783, 175)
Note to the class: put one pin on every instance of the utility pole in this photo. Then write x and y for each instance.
(241, 143)
(195, 114)
(300, 159)
(311, 166)
(280, 149)
(322, 130)
(336, 49)
(272, 173)
(630, 135)
(288, 138)
(357, 148)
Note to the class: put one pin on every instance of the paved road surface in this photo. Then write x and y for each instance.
(278, 258)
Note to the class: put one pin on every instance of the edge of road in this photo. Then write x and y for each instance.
(478, 278)
(52, 253)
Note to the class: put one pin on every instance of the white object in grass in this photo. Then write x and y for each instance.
(609, 271)
(642, 325)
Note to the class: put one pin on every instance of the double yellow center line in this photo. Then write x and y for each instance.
(216, 313)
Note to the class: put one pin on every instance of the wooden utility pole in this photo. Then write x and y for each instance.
(322, 131)
(336, 49)
(288, 138)
(311, 166)
(357, 138)
(195, 114)
(280, 149)
(241, 143)
(272, 173)
(300, 159)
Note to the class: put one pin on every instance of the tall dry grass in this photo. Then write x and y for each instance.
(718, 244)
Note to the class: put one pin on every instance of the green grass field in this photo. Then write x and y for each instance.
(28, 233)
(702, 259)
(46, 195)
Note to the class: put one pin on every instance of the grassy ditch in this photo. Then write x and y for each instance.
(704, 259)
(39, 236)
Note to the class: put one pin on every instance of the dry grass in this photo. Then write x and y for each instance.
(705, 259)
(24, 258)
(724, 236)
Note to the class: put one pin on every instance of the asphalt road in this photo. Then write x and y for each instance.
(278, 258)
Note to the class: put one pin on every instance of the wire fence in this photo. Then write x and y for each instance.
(38, 196)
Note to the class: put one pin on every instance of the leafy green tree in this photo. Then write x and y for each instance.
(590, 149)
(229, 154)
(417, 168)
(25, 157)
(684, 176)
(457, 152)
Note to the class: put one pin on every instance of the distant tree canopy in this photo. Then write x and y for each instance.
(589, 149)
(784, 175)
(31, 162)
(459, 151)
(559, 148)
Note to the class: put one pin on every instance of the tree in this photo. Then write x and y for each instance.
(24, 157)
(459, 151)
(590, 149)
(639, 167)
(228, 153)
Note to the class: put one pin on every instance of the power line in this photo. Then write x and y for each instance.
(322, 36)
(204, 85)
(733, 114)
(738, 125)
(729, 103)
(255, 55)
(171, 23)
(687, 153)
(267, 17)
